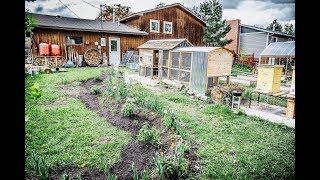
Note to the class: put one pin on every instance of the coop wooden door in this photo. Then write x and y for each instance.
(114, 51)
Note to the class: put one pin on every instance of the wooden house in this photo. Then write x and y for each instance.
(150, 51)
(168, 22)
(110, 38)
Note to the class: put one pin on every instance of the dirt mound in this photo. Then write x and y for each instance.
(141, 153)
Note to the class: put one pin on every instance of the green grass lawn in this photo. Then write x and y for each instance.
(235, 146)
(231, 146)
(68, 133)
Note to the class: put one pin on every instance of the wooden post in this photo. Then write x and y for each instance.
(160, 62)
(179, 72)
(290, 108)
(215, 81)
(228, 80)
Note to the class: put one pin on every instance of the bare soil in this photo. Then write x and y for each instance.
(141, 153)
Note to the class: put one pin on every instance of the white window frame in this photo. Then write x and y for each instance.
(272, 38)
(164, 25)
(157, 21)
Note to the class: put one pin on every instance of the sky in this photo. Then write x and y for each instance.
(251, 12)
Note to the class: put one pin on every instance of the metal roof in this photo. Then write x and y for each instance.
(164, 44)
(197, 49)
(279, 49)
(163, 7)
(266, 30)
(67, 23)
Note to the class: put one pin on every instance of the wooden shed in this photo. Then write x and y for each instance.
(199, 68)
(152, 50)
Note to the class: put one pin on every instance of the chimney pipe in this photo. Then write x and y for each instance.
(118, 21)
(274, 27)
(113, 15)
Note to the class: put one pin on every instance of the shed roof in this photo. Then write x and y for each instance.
(279, 49)
(198, 49)
(164, 44)
(67, 23)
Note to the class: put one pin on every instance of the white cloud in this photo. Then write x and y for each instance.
(248, 11)
(259, 13)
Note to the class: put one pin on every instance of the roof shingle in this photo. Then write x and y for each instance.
(67, 23)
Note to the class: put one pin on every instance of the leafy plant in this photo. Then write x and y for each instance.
(182, 147)
(95, 90)
(169, 121)
(145, 174)
(35, 91)
(111, 176)
(128, 109)
(40, 167)
(30, 24)
(149, 134)
(135, 172)
(158, 162)
(66, 176)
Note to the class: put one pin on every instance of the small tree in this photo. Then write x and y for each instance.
(120, 11)
(242, 57)
(161, 4)
(30, 24)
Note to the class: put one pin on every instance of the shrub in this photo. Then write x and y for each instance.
(95, 90)
(35, 92)
(149, 134)
(128, 109)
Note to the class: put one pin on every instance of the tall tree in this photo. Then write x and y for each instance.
(215, 32)
(275, 26)
(288, 29)
(161, 4)
(120, 12)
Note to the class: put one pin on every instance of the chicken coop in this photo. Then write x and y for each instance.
(152, 50)
(199, 68)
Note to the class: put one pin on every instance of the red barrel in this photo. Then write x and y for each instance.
(44, 49)
(55, 50)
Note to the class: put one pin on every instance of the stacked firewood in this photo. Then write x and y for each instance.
(92, 57)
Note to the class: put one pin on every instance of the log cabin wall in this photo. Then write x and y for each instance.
(57, 36)
(184, 25)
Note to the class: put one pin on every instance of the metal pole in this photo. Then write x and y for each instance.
(101, 14)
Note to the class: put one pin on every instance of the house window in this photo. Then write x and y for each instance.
(73, 40)
(154, 25)
(273, 39)
(167, 27)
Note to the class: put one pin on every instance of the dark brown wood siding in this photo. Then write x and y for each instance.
(184, 25)
(56, 36)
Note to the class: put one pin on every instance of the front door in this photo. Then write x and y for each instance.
(114, 51)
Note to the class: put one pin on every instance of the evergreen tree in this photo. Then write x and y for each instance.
(215, 32)
(277, 26)
(288, 29)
